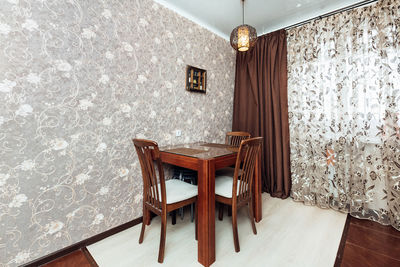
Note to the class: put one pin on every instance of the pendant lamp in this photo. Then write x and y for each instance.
(243, 37)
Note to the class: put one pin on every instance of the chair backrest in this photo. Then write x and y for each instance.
(149, 158)
(234, 138)
(245, 165)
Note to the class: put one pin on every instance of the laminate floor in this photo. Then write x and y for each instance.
(370, 244)
(290, 234)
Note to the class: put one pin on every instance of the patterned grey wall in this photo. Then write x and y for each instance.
(78, 80)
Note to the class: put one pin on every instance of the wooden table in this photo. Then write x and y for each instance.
(205, 158)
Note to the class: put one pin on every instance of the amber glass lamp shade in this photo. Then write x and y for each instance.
(243, 38)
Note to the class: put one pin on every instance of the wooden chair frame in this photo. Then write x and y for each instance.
(149, 158)
(234, 138)
(242, 190)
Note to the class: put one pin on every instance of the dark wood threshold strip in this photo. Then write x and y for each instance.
(339, 255)
(89, 257)
(82, 244)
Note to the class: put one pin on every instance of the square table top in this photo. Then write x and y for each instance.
(201, 150)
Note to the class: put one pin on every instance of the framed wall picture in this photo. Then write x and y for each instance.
(196, 79)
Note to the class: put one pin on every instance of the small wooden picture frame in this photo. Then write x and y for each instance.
(196, 79)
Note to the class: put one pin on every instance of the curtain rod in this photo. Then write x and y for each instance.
(360, 4)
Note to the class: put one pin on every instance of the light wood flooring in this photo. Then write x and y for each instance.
(290, 234)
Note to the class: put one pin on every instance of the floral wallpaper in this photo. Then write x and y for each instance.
(344, 112)
(79, 80)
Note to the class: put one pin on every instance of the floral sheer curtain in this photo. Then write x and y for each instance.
(344, 112)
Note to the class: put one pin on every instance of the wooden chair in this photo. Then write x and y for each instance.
(238, 192)
(235, 138)
(160, 196)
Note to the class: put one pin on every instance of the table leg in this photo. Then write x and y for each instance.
(257, 200)
(206, 212)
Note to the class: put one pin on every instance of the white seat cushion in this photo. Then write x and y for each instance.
(223, 186)
(177, 190)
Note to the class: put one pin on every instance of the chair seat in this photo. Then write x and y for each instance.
(177, 190)
(224, 185)
(227, 171)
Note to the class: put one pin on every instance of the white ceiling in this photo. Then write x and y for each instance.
(222, 16)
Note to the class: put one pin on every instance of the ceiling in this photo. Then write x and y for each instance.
(222, 16)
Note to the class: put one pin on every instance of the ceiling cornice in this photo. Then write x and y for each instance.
(192, 18)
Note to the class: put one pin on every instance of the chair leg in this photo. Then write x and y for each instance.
(192, 212)
(220, 211)
(162, 237)
(251, 215)
(192, 205)
(145, 214)
(149, 216)
(235, 230)
(196, 220)
(173, 217)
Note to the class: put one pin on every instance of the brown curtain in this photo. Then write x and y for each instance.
(261, 107)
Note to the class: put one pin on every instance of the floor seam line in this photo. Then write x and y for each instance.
(373, 251)
(377, 231)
